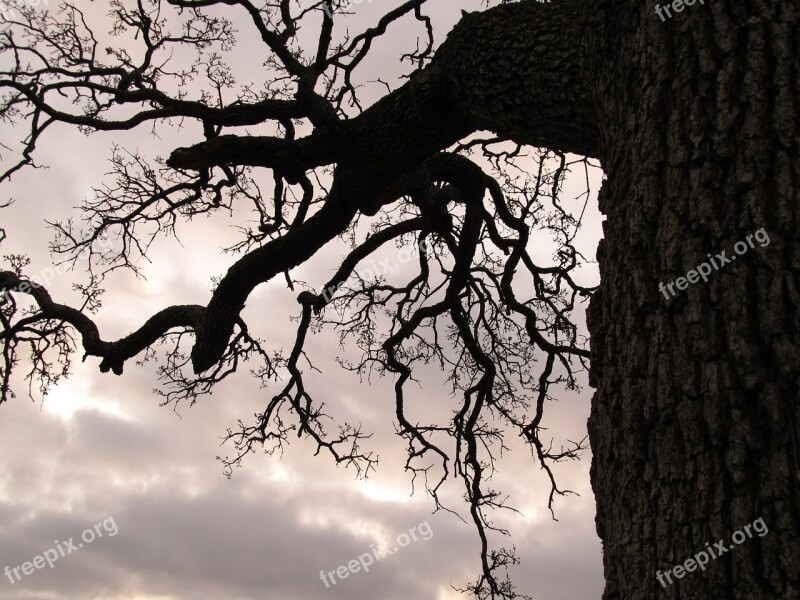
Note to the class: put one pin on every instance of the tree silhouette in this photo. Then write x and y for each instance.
(695, 123)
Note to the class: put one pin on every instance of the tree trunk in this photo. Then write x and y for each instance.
(694, 424)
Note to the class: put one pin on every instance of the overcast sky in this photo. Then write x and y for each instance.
(99, 450)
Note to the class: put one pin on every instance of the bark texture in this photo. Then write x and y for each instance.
(694, 422)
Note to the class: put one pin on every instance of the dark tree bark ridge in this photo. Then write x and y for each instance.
(694, 422)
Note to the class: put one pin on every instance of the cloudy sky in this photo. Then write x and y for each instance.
(100, 451)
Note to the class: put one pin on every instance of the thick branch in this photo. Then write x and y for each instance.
(494, 72)
(262, 264)
(114, 354)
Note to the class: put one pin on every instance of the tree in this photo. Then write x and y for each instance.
(694, 120)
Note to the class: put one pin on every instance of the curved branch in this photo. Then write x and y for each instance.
(114, 354)
(262, 264)
(466, 88)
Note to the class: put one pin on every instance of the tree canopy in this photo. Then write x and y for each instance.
(444, 162)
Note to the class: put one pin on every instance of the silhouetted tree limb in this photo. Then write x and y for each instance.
(479, 305)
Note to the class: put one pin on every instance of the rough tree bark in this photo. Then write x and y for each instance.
(694, 422)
